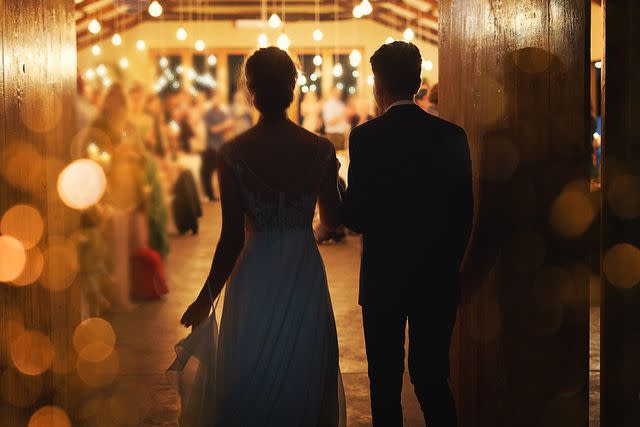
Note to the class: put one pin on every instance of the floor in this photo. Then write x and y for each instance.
(147, 334)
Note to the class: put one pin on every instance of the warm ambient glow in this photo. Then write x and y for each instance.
(263, 41)
(95, 50)
(116, 39)
(12, 258)
(408, 34)
(24, 223)
(199, 45)
(94, 26)
(155, 9)
(357, 11)
(355, 57)
(362, 9)
(317, 34)
(598, 65)
(389, 40)
(212, 60)
(123, 63)
(275, 21)
(81, 184)
(141, 45)
(283, 41)
(101, 70)
(317, 60)
(49, 416)
(427, 65)
(337, 70)
(181, 34)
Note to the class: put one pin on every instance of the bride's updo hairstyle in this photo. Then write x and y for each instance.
(270, 78)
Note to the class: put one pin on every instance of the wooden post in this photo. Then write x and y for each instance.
(620, 345)
(515, 76)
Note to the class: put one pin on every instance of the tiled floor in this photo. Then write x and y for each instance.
(147, 334)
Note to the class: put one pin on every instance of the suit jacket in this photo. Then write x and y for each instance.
(410, 196)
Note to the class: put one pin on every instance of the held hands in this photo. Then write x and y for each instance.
(197, 312)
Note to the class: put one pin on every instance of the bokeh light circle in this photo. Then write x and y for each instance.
(94, 339)
(621, 265)
(32, 269)
(98, 374)
(572, 212)
(32, 353)
(12, 258)
(624, 196)
(60, 265)
(49, 416)
(81, 184)
(20, 390)
(23, 222)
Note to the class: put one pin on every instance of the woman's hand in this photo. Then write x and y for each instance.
(196, 313)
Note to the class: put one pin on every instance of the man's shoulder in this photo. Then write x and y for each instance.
(445, 127)
(369, 127)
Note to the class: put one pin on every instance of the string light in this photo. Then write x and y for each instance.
(212, 60)
(199, 45)
(355, 57)
(95, 50)
(313, 88)
(337, 70)
(370, 79)
(141, 45)
(90, 74)
(181, 34)
(366, 7)
(283, 41)
(317, 60)
(408, 34)
(275, 21)
(263, 41)
(427, 65)
(302, 79)
(357, 11)
(389, 40)
(94, 26)
(123, 63)
(116, 39)
(101, 70)
(155, 9)
(164, 62)
(317, 34)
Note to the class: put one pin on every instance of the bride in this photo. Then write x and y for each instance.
(275, 362)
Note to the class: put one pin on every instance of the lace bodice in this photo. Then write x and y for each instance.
(270, 209)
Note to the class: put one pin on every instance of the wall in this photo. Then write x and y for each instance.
(514, 75)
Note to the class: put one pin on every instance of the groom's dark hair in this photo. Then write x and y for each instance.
(398, 66)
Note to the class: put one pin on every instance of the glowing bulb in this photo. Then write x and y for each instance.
(408, 34)
(164, 62)
(427, 65)
(90, 74)
(191, 74)
(352, 90)
(199, 45)
(355, 57)
(305, 89)
(94, 26)
(389, 40)
(317, 60)
(263, 41)
(175, 84)
(598, 65)
(179, 69)
(81, 184)
(302, 79)
(101, 70)
(212, 60)
(95, 50)
(116, 39)
(313, 88)
(317, 34)
(123, 63)
(370, 79)
(283, 42)
(340, 85)
(275, 21)
(355, 74)
(337, 70)
(155, 9)
(141, 45)
(181, 34)
(358, 12)
(366, 7)
(313, 77)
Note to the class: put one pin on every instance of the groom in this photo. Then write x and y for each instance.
(410, 196)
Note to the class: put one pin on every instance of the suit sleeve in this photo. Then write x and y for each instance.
(354, 206)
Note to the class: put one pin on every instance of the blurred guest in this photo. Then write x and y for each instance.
(357, 111)
(241, 113)
(138, 116)
(422, 98)
(433, 100)
(153, 107)
(199, 107)
(311, 110)
(333, 115)
(85, 111)
(218, 124)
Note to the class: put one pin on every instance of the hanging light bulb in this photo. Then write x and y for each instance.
(94, 26)
(116, 39)
(313, 77)
(199, 45)
(141, 45)
(370, 79)
(101, 70)
(317, 60)
(155, 9)
(313, 88)
(164, 62)
(212, 60)
(275, 21)
(355, 74)
(427, 65)
(357, 11)
(302, 79)
(317, 34)
(283, 41)
(337, 70)
(366, 7)
(340, 85)
(123, 63)
(355, 57)
(408, 34)
(95, 50)
(263, 41)
(181, 34)
(90, 74)
(389, 40)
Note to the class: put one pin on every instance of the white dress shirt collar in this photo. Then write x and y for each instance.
(401, 102)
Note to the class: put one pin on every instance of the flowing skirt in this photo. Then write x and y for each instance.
(276, 360)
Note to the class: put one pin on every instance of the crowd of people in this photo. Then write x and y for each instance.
(159, 155)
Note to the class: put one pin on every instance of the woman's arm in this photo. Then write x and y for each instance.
(229, 246)
(329, 198)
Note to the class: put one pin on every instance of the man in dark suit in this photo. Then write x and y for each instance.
(410, 196)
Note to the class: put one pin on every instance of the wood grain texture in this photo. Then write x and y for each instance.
(37, 101)
(514, 74)
(620, 348)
